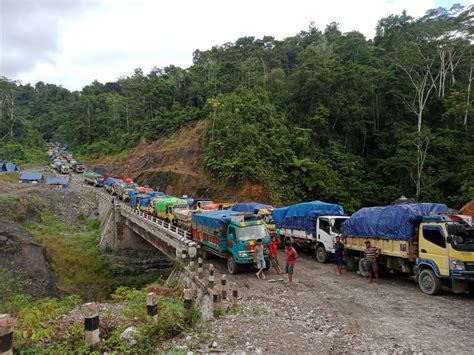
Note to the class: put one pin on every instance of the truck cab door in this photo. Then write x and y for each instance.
(323, 231)
(432, 248)
(231, 238)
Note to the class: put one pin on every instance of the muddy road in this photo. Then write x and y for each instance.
(324, 313)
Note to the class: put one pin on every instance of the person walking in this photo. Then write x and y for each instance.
(260, 258)
(291, 256)
(370, 258)
(273, 254)
(339, 255)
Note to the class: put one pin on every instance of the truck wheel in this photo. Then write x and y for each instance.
(351, 263)
(429, 283)
(321, 255)
(232, 266)
(363, 269)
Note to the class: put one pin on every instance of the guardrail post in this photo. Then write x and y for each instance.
(211, 276)
(216, 301)
(192, 258)
(200, 271)
(6, 334)
(91, 325)
(183, 256)
(152, 306)
(235, 295)
(224, 287)
(188, 301)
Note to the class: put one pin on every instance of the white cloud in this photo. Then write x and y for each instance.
(114, 37)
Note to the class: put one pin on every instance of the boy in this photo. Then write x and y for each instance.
(370, 258)
(260, 258)
(291, 256)
(339, 255)
(274, 255)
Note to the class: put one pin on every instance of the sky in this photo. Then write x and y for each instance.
(74, 42)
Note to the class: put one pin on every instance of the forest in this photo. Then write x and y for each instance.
(319, 115)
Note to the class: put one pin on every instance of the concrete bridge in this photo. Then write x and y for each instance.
(123, 227)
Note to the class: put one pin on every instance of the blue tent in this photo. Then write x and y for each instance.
(29, 176)
(8, 166)
(57, 181)
(252, 207)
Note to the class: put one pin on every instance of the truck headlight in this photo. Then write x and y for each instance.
(242, 254)
(457, 265)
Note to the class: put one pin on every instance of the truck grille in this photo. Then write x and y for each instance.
(469, 266)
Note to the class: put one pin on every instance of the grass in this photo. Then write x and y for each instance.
(10, 198)
(81, 266)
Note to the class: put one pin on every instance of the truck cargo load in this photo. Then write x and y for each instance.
(389, 222)
(251, 207)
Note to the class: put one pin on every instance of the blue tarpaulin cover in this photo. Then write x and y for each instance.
(30, 176)
(389, 222)
(303, 216)
(214, 219)
(56, 181)
(145, 201)
(252, 207)
(110, 181)
(134, 200)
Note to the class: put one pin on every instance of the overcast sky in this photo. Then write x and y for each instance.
(73, 42)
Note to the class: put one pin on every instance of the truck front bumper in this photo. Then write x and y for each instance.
(462, 275)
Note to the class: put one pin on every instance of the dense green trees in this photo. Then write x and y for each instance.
(322, 114)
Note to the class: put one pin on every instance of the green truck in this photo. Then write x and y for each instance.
(94, 179)
(231, 235)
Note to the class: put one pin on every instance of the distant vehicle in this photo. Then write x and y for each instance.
(95, 179)
(64, 169)
(260, 209)
(165, 208)
(79, 168)
(415, 239)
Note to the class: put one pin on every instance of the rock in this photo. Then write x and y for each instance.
(189, 338)
(214, 344)
(129, 335)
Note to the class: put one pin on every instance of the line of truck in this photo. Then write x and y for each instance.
(62, 160)
(428, 241)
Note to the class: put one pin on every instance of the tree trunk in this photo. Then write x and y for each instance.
(468, 97)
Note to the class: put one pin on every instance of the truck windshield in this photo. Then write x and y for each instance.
(336, 227)
(462, 239)
(252, 232)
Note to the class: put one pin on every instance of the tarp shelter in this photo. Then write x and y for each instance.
(29, 176)
(8, 166)
(57, 181)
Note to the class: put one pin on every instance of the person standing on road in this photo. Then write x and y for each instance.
(370, 258)
(291, 256)
(339, 255)
(273, 254)
(260, 258)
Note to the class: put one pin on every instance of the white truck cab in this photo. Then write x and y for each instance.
(327, 229)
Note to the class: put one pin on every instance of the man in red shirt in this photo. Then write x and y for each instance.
(291, 256)
(273, 254)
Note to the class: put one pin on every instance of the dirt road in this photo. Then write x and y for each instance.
(324, 313)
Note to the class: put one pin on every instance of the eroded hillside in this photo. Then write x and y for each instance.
(175, 165)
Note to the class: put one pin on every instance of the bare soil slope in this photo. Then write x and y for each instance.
(175, 165)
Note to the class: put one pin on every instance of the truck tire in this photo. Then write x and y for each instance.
(232, 266)
(321, 254)
(363, 269)
(351, 263)
(429, 283)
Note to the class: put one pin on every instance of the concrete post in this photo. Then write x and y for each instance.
(224, 287)
(235, 295)
(192, 258)
(211, 276)
(6, 334)
(183, 256)
(188, 301)
(216, 301)
(91, 325)
(152, 306)
(200, 271)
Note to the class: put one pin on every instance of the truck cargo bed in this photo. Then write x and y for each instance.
(397, 248)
